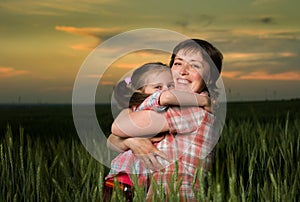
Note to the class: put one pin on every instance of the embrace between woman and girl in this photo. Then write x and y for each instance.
(167, 125)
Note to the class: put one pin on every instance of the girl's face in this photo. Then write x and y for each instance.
(159, 81)
(187, 69)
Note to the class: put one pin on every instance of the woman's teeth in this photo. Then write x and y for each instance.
(183, 81)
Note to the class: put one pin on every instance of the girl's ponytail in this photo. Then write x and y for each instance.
(123, 93)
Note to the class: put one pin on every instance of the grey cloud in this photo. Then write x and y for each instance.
(201, 20)
(267, 20)
(205, 20)
(182, 23)
(105, 36)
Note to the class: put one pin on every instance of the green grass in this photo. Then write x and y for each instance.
(256, 159)
(47, 170)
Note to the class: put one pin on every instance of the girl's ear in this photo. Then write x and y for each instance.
(138, 91)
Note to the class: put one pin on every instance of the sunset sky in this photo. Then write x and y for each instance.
(44, 43)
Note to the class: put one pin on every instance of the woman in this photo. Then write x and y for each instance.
(150, 87)
(191, 139)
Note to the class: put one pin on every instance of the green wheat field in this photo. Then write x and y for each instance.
(42, 159)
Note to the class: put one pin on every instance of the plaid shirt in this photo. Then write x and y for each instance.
(189, 144)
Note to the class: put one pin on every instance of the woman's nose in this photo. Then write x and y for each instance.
(184, 69)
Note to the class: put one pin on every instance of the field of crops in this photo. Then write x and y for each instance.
(256, 159)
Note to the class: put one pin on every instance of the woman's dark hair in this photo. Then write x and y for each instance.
(202, 45)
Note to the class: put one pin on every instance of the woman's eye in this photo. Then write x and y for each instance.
(158, 87)
(196, 66)
(177, 63)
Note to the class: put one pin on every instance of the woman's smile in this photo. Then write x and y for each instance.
(182, 81)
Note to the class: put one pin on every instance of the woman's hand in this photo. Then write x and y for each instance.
(144, 149)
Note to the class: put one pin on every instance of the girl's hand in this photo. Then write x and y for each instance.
(144, 149)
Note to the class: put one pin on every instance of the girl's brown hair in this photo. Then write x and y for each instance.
(129, 94)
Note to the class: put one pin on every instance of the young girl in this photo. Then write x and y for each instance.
(151, 87)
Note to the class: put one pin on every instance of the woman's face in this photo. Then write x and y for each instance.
(187, 69)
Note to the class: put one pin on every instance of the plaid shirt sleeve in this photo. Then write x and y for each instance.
(152, 103)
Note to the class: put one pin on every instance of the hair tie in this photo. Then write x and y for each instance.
(127, 80)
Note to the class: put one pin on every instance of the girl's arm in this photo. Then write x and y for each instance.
(182, 98)
(147, 123)
(139, 124)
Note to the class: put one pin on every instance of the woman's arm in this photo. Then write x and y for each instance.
(182, 98)
(117, 143)
(146, 123)
(121, 144)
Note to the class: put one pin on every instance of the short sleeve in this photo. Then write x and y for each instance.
(152, 103)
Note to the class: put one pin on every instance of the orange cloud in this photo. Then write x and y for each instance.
(231, 74)
(85, 46)
(233, 56)
(6, 72)
(99, 76)
(58, 89)
(107, 83)
(95, 34)
(261, 75)
(88, 31)
(136, 59)
(128, 65)
(266, 33)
